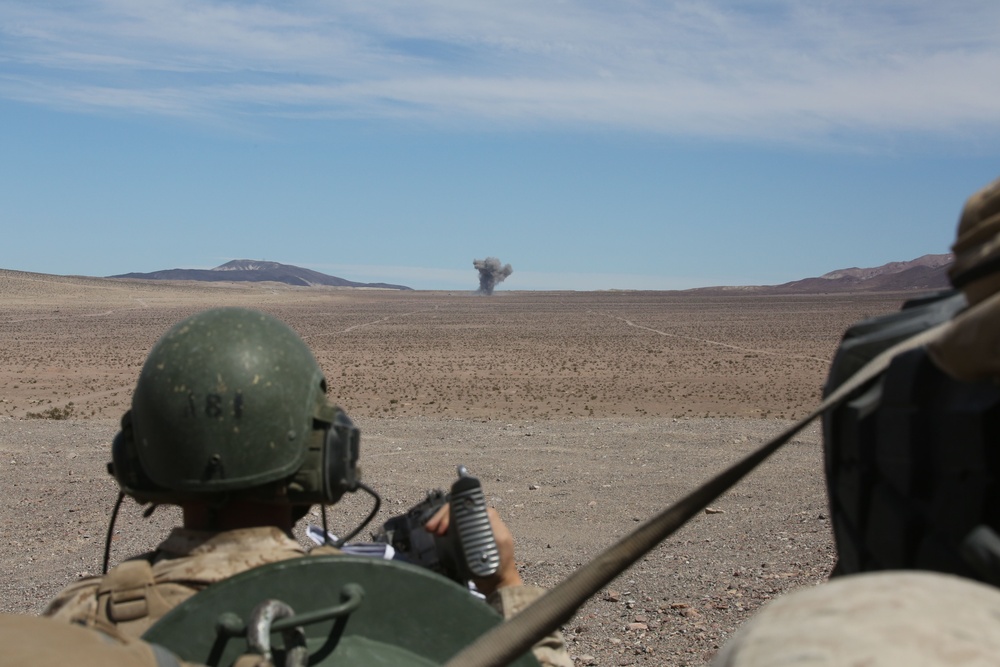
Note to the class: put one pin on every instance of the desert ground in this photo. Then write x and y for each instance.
(583, 413)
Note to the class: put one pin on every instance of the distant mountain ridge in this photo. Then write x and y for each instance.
(250, 270)
(926, 273)
(933, 262)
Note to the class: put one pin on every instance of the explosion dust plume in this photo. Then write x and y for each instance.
(491, 273)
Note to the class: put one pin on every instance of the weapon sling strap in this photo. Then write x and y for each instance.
(515, 636)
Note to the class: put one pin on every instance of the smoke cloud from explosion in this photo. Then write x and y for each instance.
(491, 273)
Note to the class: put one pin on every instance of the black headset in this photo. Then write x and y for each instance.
(329, 470)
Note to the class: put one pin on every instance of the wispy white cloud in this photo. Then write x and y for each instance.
(778, 70)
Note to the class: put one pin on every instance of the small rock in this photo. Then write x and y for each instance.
(612, 596)
(712, 510)
(637, 627)
(533, 487)
(587, 660)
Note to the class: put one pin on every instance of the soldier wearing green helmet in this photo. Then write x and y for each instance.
(231, 405)
(230, 421)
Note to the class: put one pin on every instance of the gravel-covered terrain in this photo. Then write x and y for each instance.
(596, 479)
(584, 414)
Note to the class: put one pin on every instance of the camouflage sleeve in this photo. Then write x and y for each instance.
(550, 651)
(77, 603)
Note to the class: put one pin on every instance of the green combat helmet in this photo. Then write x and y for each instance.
(231, 403)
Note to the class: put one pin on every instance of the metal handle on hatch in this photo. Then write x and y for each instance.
(352, 594)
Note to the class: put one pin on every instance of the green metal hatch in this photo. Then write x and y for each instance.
(352, 610)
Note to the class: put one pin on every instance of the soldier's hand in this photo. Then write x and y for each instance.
(506, 574)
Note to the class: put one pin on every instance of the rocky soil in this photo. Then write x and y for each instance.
(583, 414)
(567, 488)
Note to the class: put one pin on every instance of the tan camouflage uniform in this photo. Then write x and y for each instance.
(136, 593)
(43, 642)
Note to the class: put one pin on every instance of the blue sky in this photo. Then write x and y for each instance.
(591, 145)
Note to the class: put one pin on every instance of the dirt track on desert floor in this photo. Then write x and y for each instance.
(73, 347)
(583, 413)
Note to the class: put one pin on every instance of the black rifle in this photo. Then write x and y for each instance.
(467, 551)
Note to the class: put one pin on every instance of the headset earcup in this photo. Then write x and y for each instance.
(125, 465)
(340, 458)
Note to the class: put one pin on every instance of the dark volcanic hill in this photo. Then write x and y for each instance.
(927, 273)
(249, 270)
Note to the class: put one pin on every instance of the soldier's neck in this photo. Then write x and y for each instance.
(237, 515)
